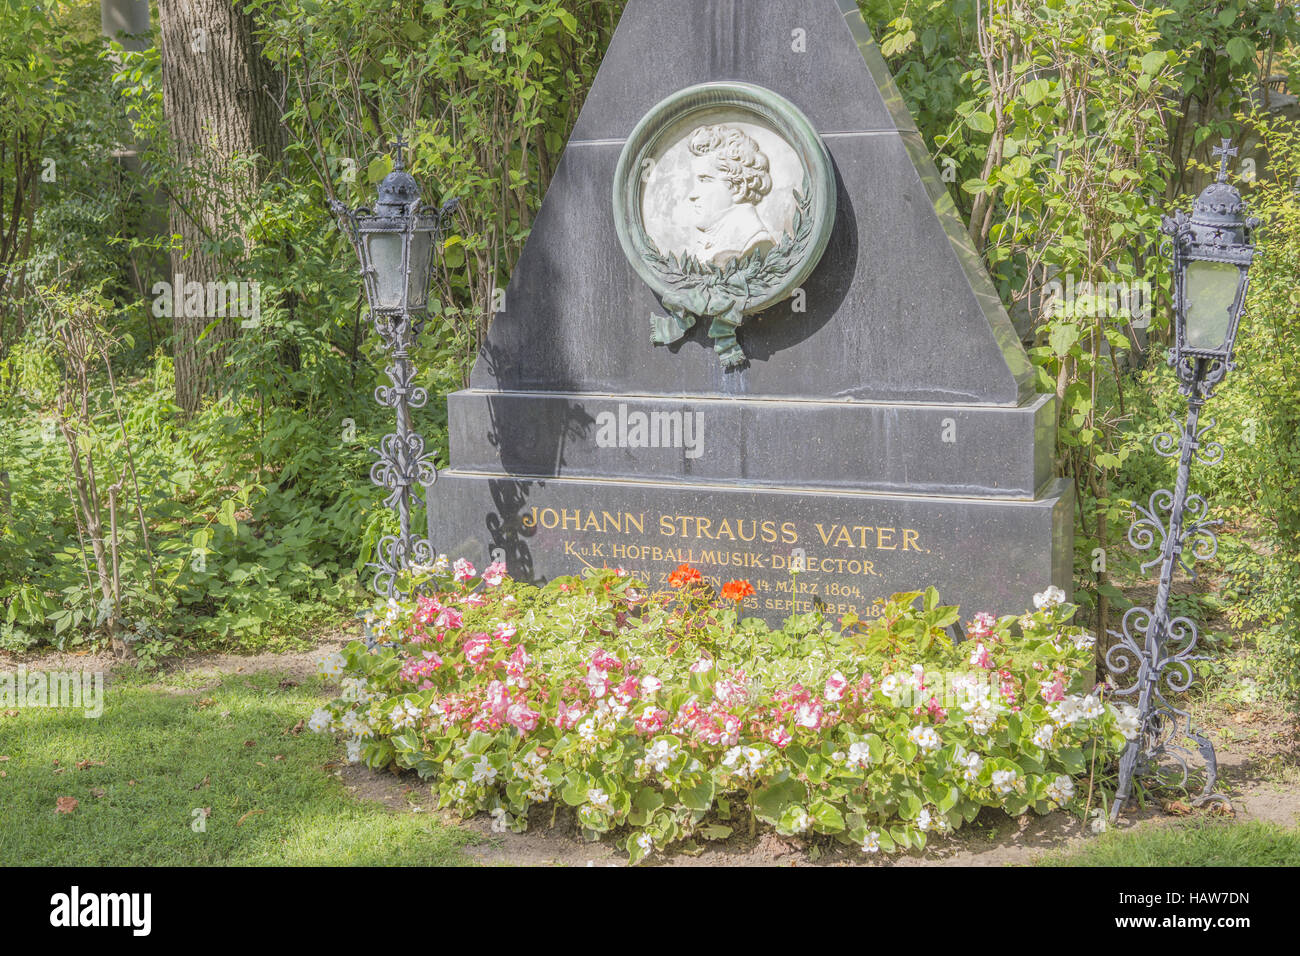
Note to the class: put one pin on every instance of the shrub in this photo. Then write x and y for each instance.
(666, 717)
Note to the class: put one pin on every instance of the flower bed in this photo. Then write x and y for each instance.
(665, 717)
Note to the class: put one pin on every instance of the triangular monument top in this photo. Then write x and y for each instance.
(895, 305)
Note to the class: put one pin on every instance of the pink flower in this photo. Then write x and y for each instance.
(475, 600)
(518, 662)
(498, 699)
(1052, 691)
(448, 617)
(836, 685)
(981, 626)
(568, 715)
(809, 715)
(426, 610)
(494, 573)
(727, 692)
(504, 633)
(651, 685)
(620, 572)
(651, 721)
(463, 570)
(597, 681)
(476, 648)
(627, 690)
(522, 716)
(779, 736)
(702, 666)
(980, 657)
(605, 661)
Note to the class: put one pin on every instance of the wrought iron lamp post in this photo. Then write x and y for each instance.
(395, 243)
(1212, 251)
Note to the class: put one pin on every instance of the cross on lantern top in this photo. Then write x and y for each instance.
(1223, 152)
(400, 144)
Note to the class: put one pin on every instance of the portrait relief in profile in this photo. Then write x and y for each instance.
(730, 176)
(724, 200)
(721, 190)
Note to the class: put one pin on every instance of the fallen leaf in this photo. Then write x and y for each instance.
(65, 804)
(83, 764)
(202, 783)
(240, 821)
(249, 743)
(130, 783)
(204, 702)
(259, 763)
(96, 791)
(3, 757)
(3, 774)
(1222, 809)
(295, 730)
(279, 756)
(56, 763)
(287, 683)
(225, 713)
(1177, 808)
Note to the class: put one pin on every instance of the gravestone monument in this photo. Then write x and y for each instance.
(749, 332)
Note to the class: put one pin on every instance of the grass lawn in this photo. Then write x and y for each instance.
(161, 751)
(1192, 844)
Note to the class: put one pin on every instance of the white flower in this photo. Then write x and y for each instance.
(500, 822)
(354, 750)
(1127, 721)
(801, 822)
(331, 665)
(1092, 707)
(1052, 597)
(1061, 789)
(660, 755)
(645, 842)
(1067, 713)
(1084, 640)
(598, 798)
(925, 738)
(890, 685)
(1004, 781)
(731, 756)
(1043, 736)
(460, 790)
(587, 730)
(923, 819)
(859, 754)
(484, 772)
(871, 842)
(320, 721)
(971, 765)
(650, 685)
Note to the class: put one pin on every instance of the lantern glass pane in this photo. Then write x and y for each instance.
(1211, 293)
(386, 260)
(421, 249)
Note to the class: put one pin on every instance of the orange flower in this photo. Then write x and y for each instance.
(683, 576)
(736, 590)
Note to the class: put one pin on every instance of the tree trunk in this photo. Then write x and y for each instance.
(218, 96)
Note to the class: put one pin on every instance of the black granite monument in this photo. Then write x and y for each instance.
(652, 394)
